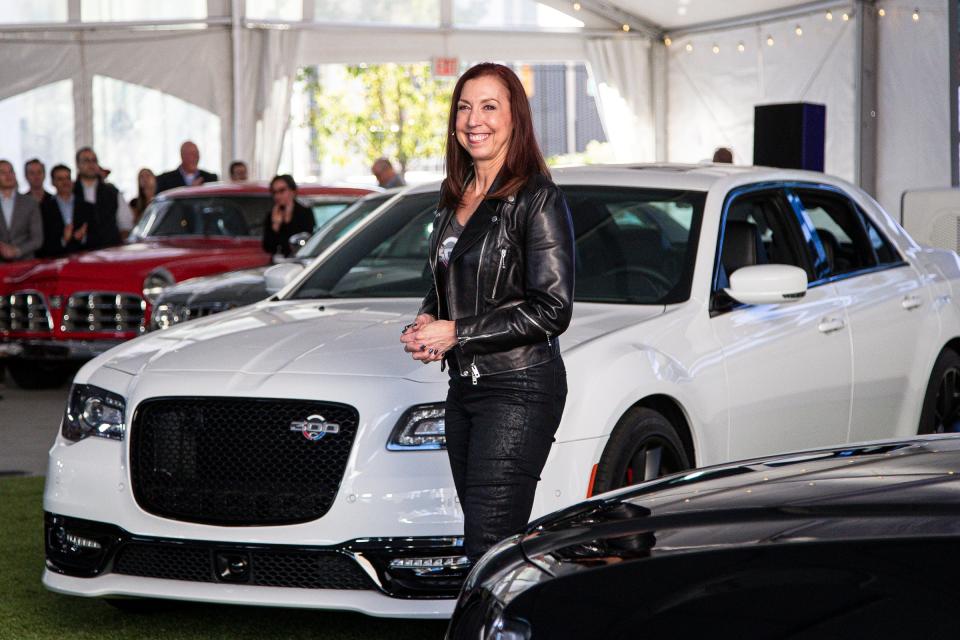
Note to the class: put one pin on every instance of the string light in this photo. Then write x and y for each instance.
(829, 15)
(916, 15)
(576, 6)
(625, 27)
(798, 30)
(881, 12)
(667, 41)
(689, 48)
(716, 48)
(769, 41)
(740, 47)
(846, 16)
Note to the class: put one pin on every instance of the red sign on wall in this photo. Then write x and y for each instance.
(445, 67)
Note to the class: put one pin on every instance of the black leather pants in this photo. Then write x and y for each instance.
(499, 433)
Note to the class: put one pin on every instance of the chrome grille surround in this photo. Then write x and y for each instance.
(25, 310)
(92, 311)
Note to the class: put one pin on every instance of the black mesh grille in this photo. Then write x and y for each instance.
(238, 461)
(268, 568)
(24, 311)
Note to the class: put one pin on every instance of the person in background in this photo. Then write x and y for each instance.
(65, 218)
(287, 218)
(146, 191)
(188, 173)
(110, 214)
(723, 155)
(386, 176)
(35, 173)
(21, 231)
(238, 171)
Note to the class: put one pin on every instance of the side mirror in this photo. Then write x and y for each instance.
(767, 284)
(297, 240)
(280, 275)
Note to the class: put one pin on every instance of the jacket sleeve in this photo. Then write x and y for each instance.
(35, 241)
(549, 275)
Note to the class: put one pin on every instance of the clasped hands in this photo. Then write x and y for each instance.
(426, 339)
(280, 215)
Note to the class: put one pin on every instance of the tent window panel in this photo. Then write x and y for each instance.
(131, 121)
(398, 12)
(510, 13)
(18, 12)
(275, 9)
(126, 11)
(38, 124)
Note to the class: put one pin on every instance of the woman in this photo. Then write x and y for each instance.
(287, 218)
(146, 192)
(502, 260)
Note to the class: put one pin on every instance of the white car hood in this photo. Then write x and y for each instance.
(342, 337)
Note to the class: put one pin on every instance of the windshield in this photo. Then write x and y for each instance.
(203, 216)
(633, 246)
(339, 226)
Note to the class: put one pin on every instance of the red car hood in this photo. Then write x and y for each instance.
(119, 262)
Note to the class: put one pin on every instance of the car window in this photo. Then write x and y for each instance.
(842, 241)
(632, 246)
(324, 212)
(884, 250)
(760, 228)
(341, 224)
(210, 216)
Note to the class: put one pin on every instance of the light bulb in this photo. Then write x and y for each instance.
(829, 15)
(916, 15)
(846, 17)
(740, 47)
(576, 6)
(689, 47)
(625, 27)
(798, 30)
(667, 41)
(769, 41)
(716, 48)
(881, 12)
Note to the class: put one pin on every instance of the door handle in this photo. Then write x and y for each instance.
(829, 325)
(911, 302)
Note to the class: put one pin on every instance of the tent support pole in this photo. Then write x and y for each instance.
(865, 73)
(954, 39)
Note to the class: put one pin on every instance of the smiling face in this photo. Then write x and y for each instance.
(484, 123)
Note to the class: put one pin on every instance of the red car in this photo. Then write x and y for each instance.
(55, 313)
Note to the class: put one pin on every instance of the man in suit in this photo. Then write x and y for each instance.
(21, 232)
(109, 212)
(35, 173)
(189, 171)
(65, 218)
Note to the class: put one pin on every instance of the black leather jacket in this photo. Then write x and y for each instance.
(509, 283)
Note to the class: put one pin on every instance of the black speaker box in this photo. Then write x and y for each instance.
(790, 136)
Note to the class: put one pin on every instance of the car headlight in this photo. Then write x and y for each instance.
(92, 411)
(421, 427)
(154, 283)
(166, 315)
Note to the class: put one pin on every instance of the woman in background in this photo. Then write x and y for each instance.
(146, 191)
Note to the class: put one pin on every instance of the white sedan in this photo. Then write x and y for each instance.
(290, 453)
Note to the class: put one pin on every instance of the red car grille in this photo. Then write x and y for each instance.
(24, 311)
(104, 311)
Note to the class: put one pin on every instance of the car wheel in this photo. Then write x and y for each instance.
(644, 445)
(941, 403)
(29, 374)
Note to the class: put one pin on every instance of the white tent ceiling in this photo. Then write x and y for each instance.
(672, 15)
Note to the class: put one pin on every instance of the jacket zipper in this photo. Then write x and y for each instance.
(537, 324)
(496, 282)
(474, 371)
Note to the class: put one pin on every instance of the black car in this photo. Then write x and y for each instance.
(853, 542)
(199, 297)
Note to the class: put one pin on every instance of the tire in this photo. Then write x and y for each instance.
(641, 437)
(941, 402)
(34, 374)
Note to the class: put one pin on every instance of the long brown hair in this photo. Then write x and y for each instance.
(524, 158)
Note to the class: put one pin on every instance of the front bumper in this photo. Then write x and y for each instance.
(54, 350)
(89, 558)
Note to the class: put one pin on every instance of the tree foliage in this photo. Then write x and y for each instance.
(392, 110)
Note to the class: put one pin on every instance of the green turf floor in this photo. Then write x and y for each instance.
(28, 611)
